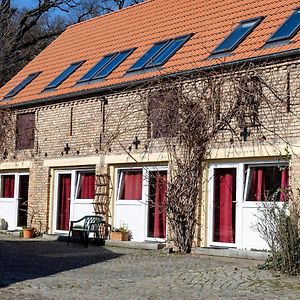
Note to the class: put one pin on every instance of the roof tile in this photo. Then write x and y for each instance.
(140, 26)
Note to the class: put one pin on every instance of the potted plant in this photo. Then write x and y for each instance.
(121, 233)
(29, 231)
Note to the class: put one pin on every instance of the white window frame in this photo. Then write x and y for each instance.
(120, 183)
(55, 202)
(153, 169)
(15, 187)
(247, 174)
(238, 204)
(15, 199)
(73, 200)
(241, 182)
(77, 179)
(145, 191)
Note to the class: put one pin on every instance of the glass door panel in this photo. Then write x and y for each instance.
(224, 205)
(157, 204)
(23, 200)
(63, 201)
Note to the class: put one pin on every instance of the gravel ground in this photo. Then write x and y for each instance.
(40, 269)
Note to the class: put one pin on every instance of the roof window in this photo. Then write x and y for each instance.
(106, 65)
(64, 75)
(288, 29)
(159, 53)
(237, 35)
(22, 85)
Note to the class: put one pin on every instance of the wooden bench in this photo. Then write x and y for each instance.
(87, 225)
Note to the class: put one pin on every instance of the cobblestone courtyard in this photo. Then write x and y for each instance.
(40, 269)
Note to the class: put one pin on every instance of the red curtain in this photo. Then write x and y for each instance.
(160, 206)
(258, 184)
(64, 202)
(86, 186)
(224, 210)
(265, 181)
(8, 186)
(132, 186)
(284, 184)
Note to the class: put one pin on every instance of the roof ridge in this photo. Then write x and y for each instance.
(110, 13)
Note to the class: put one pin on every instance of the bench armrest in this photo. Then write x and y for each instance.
(74, 222)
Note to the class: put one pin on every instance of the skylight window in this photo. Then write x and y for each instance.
(64, 75)
(106, 65)
(237, 35)
(288, 29)
(22, 85)
(159, 53)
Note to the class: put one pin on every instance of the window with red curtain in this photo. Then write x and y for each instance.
(86, 185)
(7, 186)
(265, 183)
(130, 185)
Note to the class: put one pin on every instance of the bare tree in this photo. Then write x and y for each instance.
(88, 9)
(25, 33)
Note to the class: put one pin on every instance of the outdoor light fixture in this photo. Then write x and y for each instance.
(245, 134)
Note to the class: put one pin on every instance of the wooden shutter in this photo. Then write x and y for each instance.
(163, 111)
(25, 131)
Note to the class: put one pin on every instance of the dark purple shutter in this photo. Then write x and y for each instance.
(163, 113)
(25, 131)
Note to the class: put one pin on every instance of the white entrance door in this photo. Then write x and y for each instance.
(140, 202)
(237, 193)
(13, 199)
(74, 197)
(224, 207)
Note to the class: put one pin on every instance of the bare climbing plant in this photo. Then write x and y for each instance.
(191, 116)
(7, 129)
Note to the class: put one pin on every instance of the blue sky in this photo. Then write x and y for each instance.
(33, 3)
(24, 3)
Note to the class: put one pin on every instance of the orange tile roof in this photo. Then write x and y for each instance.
(142, 25)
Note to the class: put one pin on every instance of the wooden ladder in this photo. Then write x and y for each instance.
(102, 199)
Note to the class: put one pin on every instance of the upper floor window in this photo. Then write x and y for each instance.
(249, 98)
(64, 75)
(25, 131)
(163, 112)
(106, 65)
(22, 85)
(237, 35)
(159, 53)
(288, 29)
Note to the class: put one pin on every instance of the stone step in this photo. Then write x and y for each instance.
(234, 253)
(135, 245)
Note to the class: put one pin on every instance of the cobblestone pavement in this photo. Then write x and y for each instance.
(40, 269)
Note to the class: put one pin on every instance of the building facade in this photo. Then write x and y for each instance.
(79, 114)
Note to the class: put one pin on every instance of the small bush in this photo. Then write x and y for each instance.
(278, 224)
